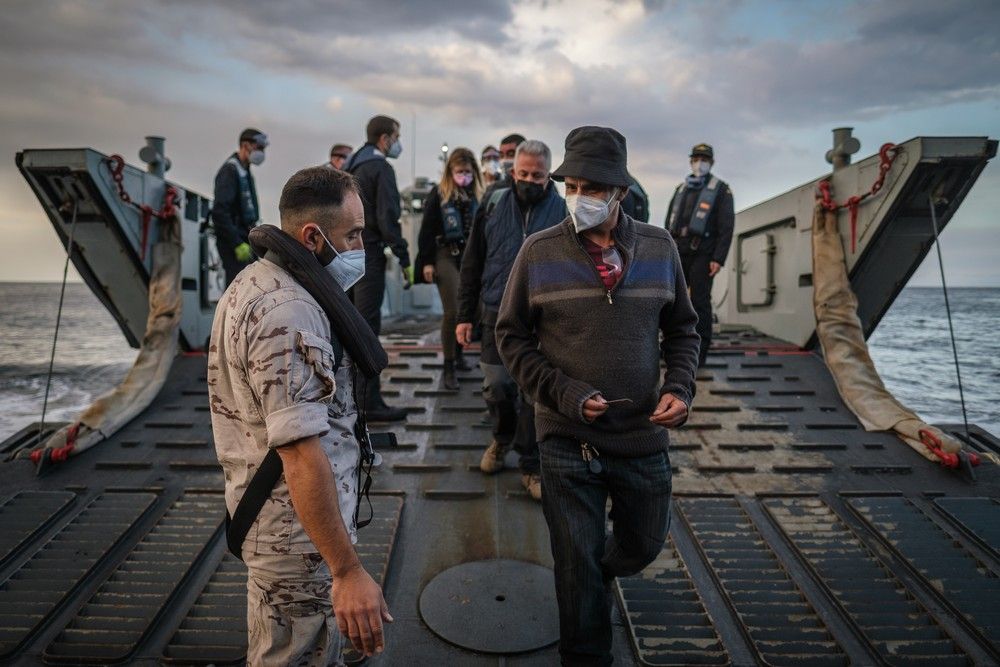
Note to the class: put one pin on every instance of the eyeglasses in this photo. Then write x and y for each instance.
(612, 259)
(341, 156)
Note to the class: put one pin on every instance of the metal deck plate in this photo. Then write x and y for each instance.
(42, 584)
(978, 517)
(971, 586)
(666, 616)
(897, 626)
(110, 626)
(782, 625)
(214, 629)
(783, 550)
(26, 515)
(493, 606)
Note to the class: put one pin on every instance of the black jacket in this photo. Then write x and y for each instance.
(720, 221)
(377, 182)
(432, 227)
(475, 255)
(228, 220)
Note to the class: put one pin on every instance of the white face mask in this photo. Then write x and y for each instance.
(394, 150)
(700, 167)
(257, 156)
(589, 212)
(347, 267)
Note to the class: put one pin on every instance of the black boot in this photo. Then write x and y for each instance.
(448, 380)
(375, 408)
(461, 364)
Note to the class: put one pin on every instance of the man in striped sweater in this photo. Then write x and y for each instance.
(580, 329)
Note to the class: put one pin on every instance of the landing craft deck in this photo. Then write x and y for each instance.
(797, 537)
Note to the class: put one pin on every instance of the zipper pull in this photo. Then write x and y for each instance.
(609, 297)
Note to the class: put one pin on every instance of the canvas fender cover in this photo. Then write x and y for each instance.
(846, 351)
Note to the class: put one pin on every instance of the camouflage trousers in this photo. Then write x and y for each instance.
(289, 613)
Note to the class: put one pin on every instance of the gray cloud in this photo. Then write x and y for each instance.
(93, 73)
(899, 55)
(102, 33)
(379, 20)
(904, 55)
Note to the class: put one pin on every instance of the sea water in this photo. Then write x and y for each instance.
(911, 349)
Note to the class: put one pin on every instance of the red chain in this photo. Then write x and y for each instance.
(948, 460)
(59, 454)
(116, 163)
(887, 155)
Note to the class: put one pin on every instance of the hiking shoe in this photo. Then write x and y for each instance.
(532, 483)
(448, 380)
(492, 461)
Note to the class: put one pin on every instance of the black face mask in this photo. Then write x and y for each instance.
(528, 192)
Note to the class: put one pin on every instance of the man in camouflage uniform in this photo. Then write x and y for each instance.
(272, 384)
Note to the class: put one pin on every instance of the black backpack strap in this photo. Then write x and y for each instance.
(260, 487)
(257, 493)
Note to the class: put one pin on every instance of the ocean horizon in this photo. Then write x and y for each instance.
(911, 349)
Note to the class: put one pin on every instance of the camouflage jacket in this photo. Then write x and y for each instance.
(270, 383)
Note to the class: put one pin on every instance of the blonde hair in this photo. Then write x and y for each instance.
(447, 187)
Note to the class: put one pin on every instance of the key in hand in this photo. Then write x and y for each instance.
(619, 400)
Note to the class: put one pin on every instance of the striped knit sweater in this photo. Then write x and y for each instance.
(565, 338)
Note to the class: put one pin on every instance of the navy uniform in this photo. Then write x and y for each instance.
(700, 218)
(377, 183)
(235, 209)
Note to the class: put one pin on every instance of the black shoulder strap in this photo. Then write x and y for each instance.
(260, 487)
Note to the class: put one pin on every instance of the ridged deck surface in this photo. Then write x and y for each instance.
(797, 539)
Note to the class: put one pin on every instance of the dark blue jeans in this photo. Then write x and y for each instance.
(587, 559)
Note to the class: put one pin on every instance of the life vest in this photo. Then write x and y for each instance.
(452, 224)
(698, 224)
(248, 198)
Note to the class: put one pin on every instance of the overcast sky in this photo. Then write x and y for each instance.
(764, 82)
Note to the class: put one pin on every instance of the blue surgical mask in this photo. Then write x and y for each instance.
(348, 267)
(700, 167)
(394, 150)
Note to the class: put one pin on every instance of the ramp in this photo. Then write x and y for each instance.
(797, 539)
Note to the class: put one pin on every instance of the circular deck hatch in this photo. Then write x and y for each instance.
(493, 606)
